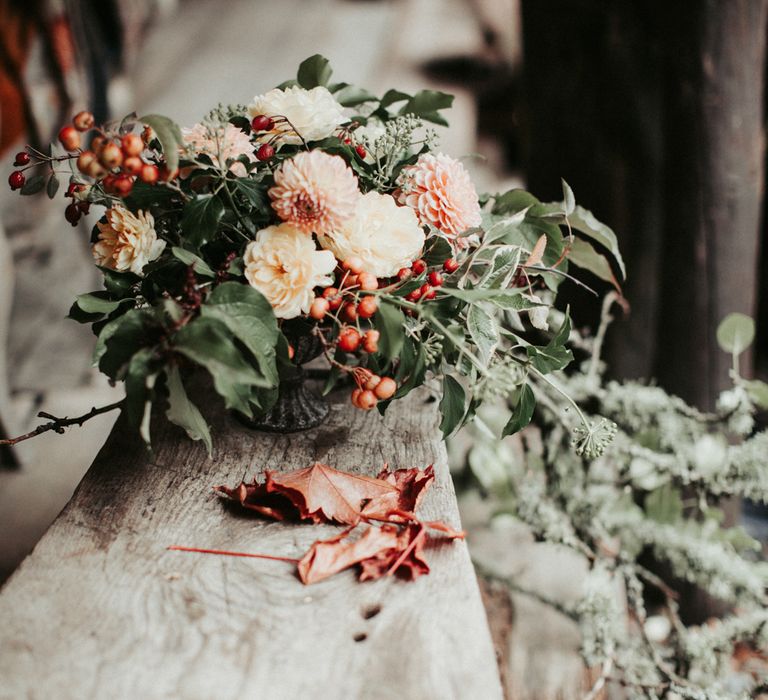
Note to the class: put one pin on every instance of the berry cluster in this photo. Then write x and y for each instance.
(371, 388)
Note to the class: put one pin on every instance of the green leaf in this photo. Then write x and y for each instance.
(438, 253)
(426, 105)
(393, 96)
(188, 258)
(664, 505)
(351, 96)
(758, 392)
(52, 187)
(119, 284)
(584, 222)
(33, 185)
(451, 405)
(390, 322)
(736, 333)
(522, 411)
(182, 412)
(314, 71)
(483, 330)
(254, 192)
(97, 303)
(513, 201)
(583, 255)
(511, 298)
(200, 218)
(209, 343)
(120, 340)
(250, 318)
(169, 136)
(554, 356)
(506, 260)
(139, 383)
(569, 201)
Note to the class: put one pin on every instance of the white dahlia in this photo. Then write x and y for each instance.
(126, 241)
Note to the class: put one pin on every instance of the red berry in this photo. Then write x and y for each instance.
(16, 179)
(133, 165)
(368, 307)
(167, 175)
(83, 121)
(349, 340)
(132, 145)
(84, 206)
(261, 122)
(404, 273)
(367, 400)
(418, 266)
(367, 281)
(150, 174)
(72, 214)
(415, 295)
(349, 281)
(108, 183)
(371, 383)
(360, 151)
(428, 291)
(371, 341)
(385, 389)
(123, 185)
(451, 265)
(69, 137)
(111, 156)
(73, 188)
(265, 152)
(349, 312)
(347, 140)
(353, 264)
(319, 308)
(84, 161)
(22, 158)
(333, 297)
(356, 397)
(435, 279)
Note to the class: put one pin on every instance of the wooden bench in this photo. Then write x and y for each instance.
(101, 609)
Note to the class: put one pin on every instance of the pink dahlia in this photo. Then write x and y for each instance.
(440, 191)
(222, 145)
(315, 191)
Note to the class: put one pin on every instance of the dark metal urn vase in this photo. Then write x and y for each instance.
(298, 406)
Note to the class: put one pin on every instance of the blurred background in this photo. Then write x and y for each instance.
(653, 112)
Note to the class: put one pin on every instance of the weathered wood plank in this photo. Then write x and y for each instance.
(101, 609)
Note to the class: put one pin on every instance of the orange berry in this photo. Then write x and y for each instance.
(371, 341)
(354, 264)
(291, 351)
(84, 161)
(149, 174)
(367, 307)
(386, 388)
(349, 340)
(367, 281)
(319, 308)
(83, 121)
(349, 312)
(355, 398)
(123, 185)
(372, 383)
(133, 165)
(70, 138)
(132, 144)
(367, 400)
(110, 156)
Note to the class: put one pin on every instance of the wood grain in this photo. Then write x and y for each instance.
(101, 609)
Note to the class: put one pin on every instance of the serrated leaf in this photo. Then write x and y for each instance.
(390, 322)
(251, 319)
(169, 136)
(511, 298)
(314, 71)
(506, 260)
(736, 333)
(199, 265)
(200, 219)
(522, 411)
(182, 412)
(585, 223)
(483, 330)
(554, 356)
(452, 405)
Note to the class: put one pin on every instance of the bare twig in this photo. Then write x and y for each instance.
(59, 424)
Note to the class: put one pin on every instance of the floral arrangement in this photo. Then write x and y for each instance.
(323, 204)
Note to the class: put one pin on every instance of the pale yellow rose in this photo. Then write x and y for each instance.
(314, 113)
(127, 241)
(284, 264)
(382, 234)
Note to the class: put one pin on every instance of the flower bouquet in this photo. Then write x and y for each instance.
(318, 219)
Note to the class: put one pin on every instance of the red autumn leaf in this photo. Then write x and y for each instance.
(406, 560)
(327, 557)
(410, 485)
(256, 497)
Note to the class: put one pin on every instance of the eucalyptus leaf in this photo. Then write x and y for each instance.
(52, 187)
(569, 201)
(736, 333)
(33, 185)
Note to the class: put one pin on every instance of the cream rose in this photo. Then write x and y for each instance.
(314, 113)
(127, 241)
(382, 234)
(284, 264)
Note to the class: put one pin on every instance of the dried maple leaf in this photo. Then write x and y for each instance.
(256, 497)
(410, 485)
